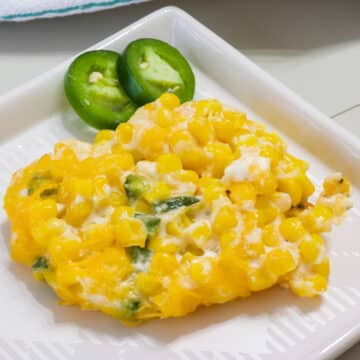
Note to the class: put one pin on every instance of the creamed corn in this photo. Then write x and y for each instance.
(182, 206)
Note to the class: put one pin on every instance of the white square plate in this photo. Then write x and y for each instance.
(270, 325)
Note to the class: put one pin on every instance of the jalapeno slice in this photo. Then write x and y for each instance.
(151, 67)
(94, 91)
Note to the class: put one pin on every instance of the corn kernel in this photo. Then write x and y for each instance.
(163, 263)
(201, 233)
(158, 191)
(122, 212)
(279, 262)
(224, 220)
(130, 232)
(104, 135)
(99, 236)
(317, 218)
(168, 163)
(148, 284)
(164, 118)
(270, 236)
(221, 156)
(201, 129)
(310, 248)
(124, 133)
(152, 142)
(77, 213)
(169, 100)
(292, 229)
(242, 192)
(293, 188)
(322, 268)
(194, 158)
(260, 279)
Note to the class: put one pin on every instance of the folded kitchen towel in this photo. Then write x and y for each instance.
(22, 10)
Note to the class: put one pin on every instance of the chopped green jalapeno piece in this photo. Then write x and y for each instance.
(36, 182)
(94, 91)
(138, 254)
(129, 308)
(48, 192)
(151, 67)
(174, 203)
(135, 186)
(41, 263)
(151, 222)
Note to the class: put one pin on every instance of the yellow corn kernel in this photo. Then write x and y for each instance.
(221, 156)
(293, 188)
(254, 248)
(122, 212)
(73, 187)
(310, 286)
(232, 124)
(198, 271)
(246, 140)
(142, 206)
(158, 191)
(317, 218)
(148, 284)
(266, 213)
(152, 142)
(104, 135)
(130, 232)
(62, 249)
(279, 262)
(322, 268)
(266, 184)
(201, 233)
(281, 200)
(44, 231)
(124, 133)
(235, 262)
(336, 184)
(163, 264)
(117, 198)
(178, 225)
(111, 164)
(292, 229)
(194, 158)
(229, 239)
(210, 108)
(169, 100)
(168, 163)
(270, 236)
(224, 220)
(201, 129)
(42, 210)
(242, 192)
(77, 213)
(212, 191)
(310, 248)
(167, 244)
(179, 140)
(270, 152)
(164, 117)
(188, 176)
(99, 236)
(177, 301)
(261, 279)
(68, 274)
(307, 186)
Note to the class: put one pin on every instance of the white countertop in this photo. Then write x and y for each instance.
(311, 46)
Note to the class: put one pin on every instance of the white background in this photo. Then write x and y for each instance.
(311, 46)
